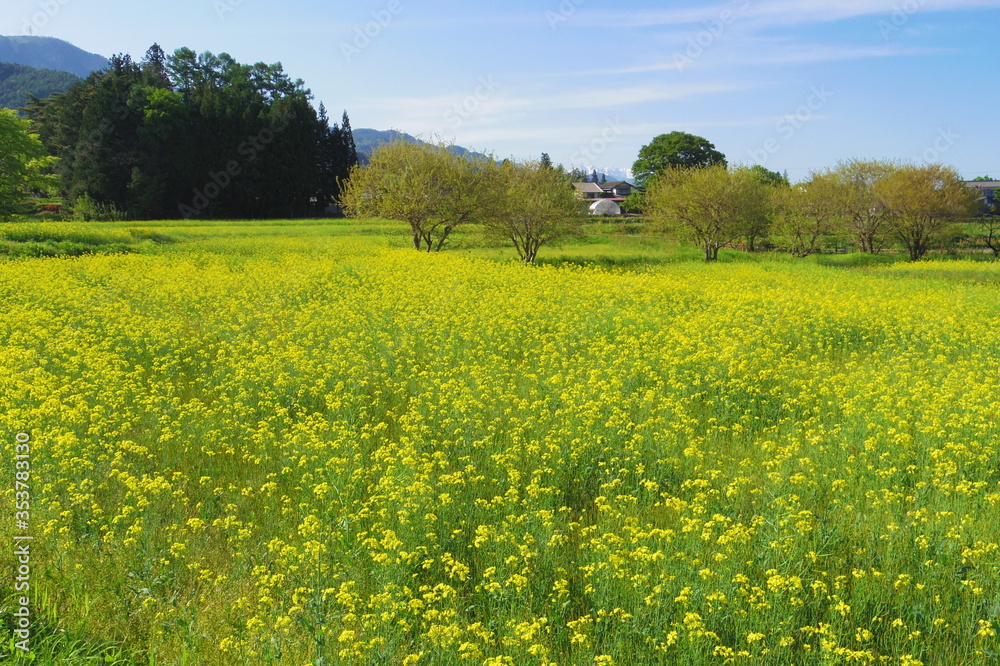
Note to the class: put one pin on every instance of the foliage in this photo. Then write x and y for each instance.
(769, 177)
(807, 214)
(538, 206)
(428, 186)
(925, 204)
(677, 149)
(712, 206)
(193, 136)
(291, 450)
(23, 162)
(988, 223)
(18, 83)
(863, 214)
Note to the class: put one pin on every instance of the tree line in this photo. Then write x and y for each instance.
(191, 135)
(436, 192)
(693, 193)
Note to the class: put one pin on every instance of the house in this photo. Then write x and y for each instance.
(588, 190)
(618, 189)
(988, 190)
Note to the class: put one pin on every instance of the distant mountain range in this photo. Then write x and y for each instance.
(49, 53)
(367, 140)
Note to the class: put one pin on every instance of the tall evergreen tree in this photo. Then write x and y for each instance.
(194, 135)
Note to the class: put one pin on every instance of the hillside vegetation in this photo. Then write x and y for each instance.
(18, 82)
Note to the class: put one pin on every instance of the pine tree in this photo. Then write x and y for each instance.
(546, 161)
(593, 177)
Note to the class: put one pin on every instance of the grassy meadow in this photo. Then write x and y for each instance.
(306, 443)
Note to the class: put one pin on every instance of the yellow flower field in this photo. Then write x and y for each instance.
(332, 452)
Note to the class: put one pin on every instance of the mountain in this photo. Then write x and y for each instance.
(19, 81)
(367, 140)
(49, 53)
(613, 173)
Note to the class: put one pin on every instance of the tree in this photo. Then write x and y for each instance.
(924, 205)
(546, 161)
(23, 162)
(193, 135)
(769, 177)
(425, 185)
(677, 149)
(577, 175)
(712, 206)
(774, 181)
(594, 178)
(988, 221)
(862, 213)
(538, 207)
(806, 213)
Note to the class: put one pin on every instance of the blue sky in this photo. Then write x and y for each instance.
(796, 85)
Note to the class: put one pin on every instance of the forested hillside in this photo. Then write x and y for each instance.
(17, 82)
(192, 135)
(50, 53)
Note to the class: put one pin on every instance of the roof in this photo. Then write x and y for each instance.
(983, 184)
(610, 185)
(588, 187)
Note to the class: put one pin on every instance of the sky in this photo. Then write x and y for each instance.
(794, 85)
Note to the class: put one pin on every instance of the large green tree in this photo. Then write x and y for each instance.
(427, 186)
(23, 162)
(538, 206)
(677, 149)
(711, 206)
(925, 204)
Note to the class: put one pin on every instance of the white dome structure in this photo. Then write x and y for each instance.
(605, 207)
